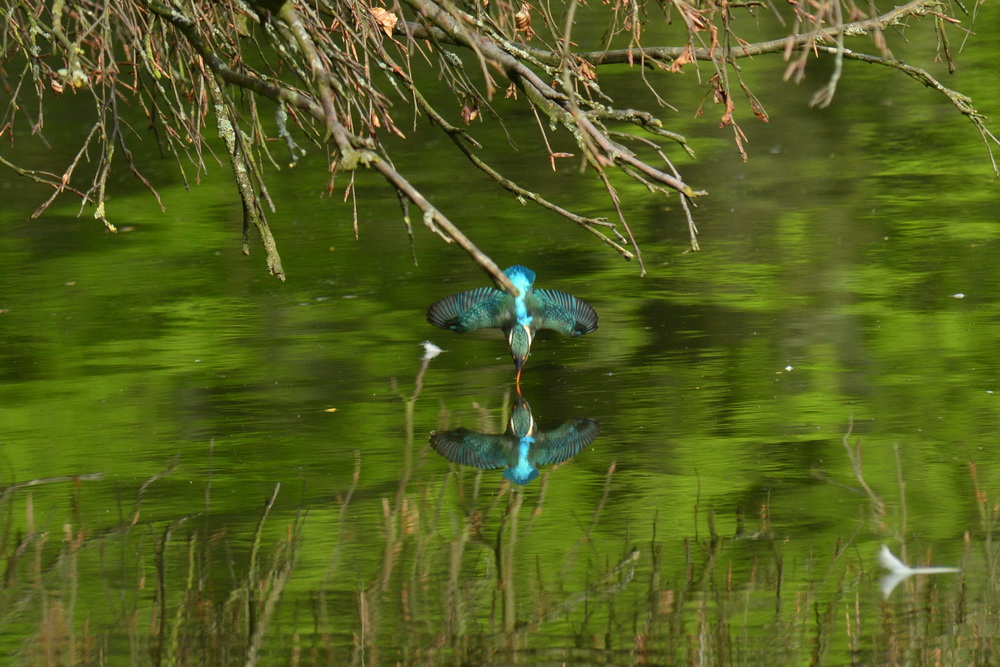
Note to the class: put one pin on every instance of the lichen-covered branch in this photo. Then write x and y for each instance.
(243, 168)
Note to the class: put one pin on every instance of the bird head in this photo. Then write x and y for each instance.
(520, 337)
(521, 422)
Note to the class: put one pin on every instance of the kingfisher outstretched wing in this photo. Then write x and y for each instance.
(472, 448)
(481, 308)
(552, 309)
(563, 443)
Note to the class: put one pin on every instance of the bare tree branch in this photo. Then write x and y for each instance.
(338, 72)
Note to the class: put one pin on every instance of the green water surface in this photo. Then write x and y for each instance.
(260, 484)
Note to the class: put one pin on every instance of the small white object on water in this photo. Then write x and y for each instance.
(788, 368)
(898, 570)
(958, 296)
(430, 350)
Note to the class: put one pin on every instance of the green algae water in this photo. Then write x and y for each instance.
(201, 465)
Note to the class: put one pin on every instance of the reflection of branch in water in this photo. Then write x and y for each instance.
(854, 456)
(586, 537)
(149, 482)
(989, 514)
(505, 560)
(17, 486)
(162, 626)
(396, 519)
(897, 570)
(430, 351)
(615, 581)
(268, 587)
(344, 502)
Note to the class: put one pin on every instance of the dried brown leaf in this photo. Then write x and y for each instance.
(685, 58)
(386, 19)
(470, 112)
(522, 19)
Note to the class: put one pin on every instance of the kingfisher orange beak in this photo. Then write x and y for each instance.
(519, 363)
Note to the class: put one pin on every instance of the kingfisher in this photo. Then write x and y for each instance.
(521, 448)
(519, 317)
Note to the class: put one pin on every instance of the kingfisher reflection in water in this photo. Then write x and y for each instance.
(520, 449)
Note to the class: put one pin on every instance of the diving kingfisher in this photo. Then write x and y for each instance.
(519, 317)
(521, 448)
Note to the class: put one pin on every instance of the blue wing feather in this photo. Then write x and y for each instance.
(565, 442)
(472, 448)
(563, 312)
(473, 309)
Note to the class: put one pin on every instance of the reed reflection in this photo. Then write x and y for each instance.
(519, 450)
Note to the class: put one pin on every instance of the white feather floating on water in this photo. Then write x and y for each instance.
(898, 570)
(430, 350)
